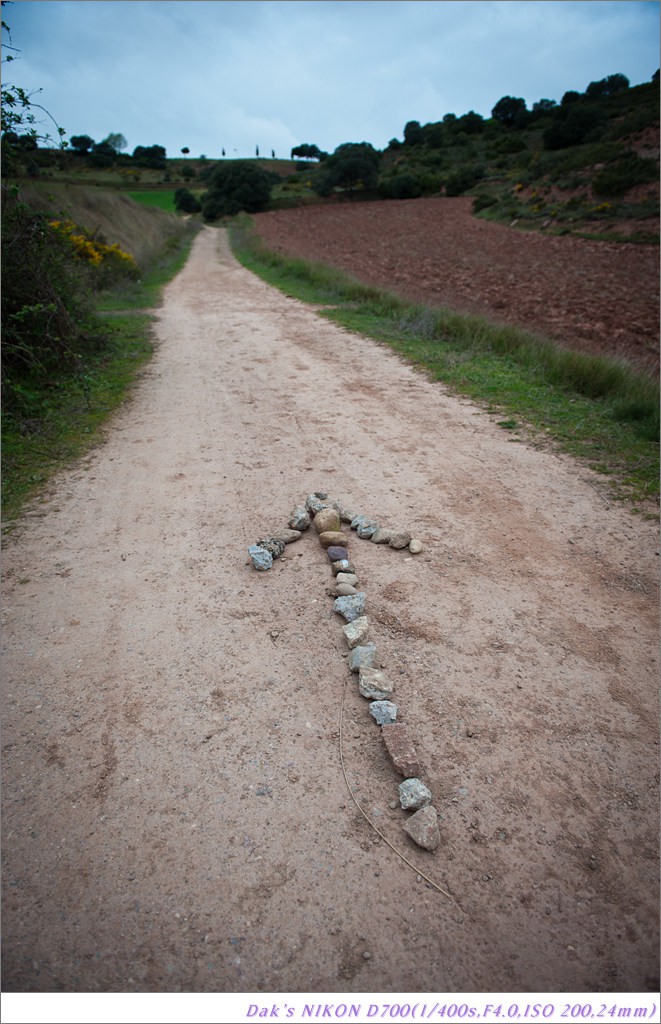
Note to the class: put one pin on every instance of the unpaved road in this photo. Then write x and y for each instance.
(176, 816)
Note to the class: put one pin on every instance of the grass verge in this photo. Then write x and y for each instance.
(598, 410)
(67, 417)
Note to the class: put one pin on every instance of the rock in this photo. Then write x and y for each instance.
(400, 539)
(314, 503)
(337, 554)
(357, 631)
(274, 546)
(413, 794)
(351, 607)
(367, 530)
(341, 565)
(327, 519)
(346, 515)
(346, 577)
(384, 712)
(422, 827)
(359, 520)
(343, 590)
(362, 657)
(333, 538)
(288, 536)
(299, 519)
(261, 558)
(374, 685)
(415, 547)
(401, 749)
(381, 536)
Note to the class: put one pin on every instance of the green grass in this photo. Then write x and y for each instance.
(162, 199)
(598, 410)
(67, 417)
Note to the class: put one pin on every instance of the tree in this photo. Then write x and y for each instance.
(608, 86)
(471, 123)
(413, 133)
(507, 109)
(150, 156)
(81, 144)
(185, 150)
(186, 202)
(306, 151)
(115, 141)
(354, 166)
(236, 186)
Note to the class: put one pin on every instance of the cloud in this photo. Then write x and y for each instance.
(275, 73)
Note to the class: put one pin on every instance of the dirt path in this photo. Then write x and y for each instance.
(175, 812)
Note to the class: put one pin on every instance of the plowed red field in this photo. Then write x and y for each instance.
(600, 297)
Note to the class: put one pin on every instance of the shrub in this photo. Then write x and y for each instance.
(234, 187)
(623, 174)
(186, 202)
(405, 186)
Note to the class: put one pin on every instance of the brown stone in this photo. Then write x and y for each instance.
(400, 539)
(422, 827)
(327, 519)
(401, 749)
(333, 538)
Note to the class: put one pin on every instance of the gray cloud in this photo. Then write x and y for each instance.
(275, 73)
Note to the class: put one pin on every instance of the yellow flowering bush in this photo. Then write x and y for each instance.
(110, 260)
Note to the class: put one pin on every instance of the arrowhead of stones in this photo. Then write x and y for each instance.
(333, 538)
(422, 827)
(327, 520)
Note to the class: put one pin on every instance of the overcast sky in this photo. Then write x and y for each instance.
(275, 73)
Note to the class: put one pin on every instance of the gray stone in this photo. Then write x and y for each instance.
(367, 530)
(347, 577)
(327, 519)
(299, 519)
(314, 503)
(422, 827)
(401, 749)
(333, 538)
(336, 553)
(381, 536)
(274, 546)
(344, 590)
(400, 539)
(341, 565)
(357, 631)
(288, 536)
(413, 794)
(359, 520)
(415, 547)
(261, 558)
(362, 657)
(346, 515)
(374, 685)
(351, 607)
(384, 712)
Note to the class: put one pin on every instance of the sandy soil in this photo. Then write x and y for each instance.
(599, 297)
(175, 814)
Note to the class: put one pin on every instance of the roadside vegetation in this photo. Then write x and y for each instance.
(597, 409)
(67, 364)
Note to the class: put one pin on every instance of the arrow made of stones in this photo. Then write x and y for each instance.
(327, 517)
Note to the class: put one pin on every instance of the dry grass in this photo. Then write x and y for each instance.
(142, 231)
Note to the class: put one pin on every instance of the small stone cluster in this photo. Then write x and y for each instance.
(327, 517)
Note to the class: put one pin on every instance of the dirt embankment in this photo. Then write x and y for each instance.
(600, 297)
(175, 811)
